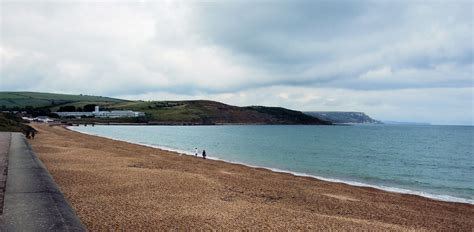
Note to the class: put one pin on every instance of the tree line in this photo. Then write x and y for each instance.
(86, 108)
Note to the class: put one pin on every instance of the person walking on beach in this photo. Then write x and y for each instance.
(30, 133)
(196, 152)
(204, 154)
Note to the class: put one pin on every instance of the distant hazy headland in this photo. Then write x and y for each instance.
(344, 117)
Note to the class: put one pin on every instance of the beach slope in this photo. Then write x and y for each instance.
(118, 185)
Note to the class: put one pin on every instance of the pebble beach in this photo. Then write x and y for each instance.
(116, 185)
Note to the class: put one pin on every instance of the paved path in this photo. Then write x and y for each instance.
(4, 148)
(31, 200)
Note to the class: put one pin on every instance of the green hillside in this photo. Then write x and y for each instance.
(160, 112)
(10, 100)
(211, 112)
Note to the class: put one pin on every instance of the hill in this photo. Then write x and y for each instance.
(161, 112)
(9, 100)
(344, 117)
(211, 112)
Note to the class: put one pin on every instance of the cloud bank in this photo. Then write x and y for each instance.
(393, 60)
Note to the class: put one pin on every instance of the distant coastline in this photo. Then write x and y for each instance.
(407, 123)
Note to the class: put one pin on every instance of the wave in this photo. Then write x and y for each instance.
(439, 197)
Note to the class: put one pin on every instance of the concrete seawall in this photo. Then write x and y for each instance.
(32, 201)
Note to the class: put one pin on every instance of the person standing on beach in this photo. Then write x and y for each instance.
(196, 152)
(204, 154)
(30, 133)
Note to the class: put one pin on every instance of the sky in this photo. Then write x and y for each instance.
(394, 60)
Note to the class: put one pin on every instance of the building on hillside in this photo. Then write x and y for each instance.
(103, 114)
(118, 114)
(43, 119)
(74, 114)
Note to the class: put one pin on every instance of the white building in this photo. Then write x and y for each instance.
(74, 114)
(43, 119)
(103, 114)
(118, 114)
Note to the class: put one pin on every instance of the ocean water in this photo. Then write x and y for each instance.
(432, 161)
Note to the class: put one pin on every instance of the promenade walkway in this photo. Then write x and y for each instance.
(31, 199)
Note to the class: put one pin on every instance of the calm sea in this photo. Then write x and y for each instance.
(432, 161)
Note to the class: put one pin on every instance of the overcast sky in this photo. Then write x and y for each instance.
(395, 60)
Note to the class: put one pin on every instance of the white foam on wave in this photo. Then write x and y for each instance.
(439, 197)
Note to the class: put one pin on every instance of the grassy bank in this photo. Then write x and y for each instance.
(12, 123)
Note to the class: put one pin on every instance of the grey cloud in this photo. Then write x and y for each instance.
(275, 32)
(293, 38)
(216, 49)
(318, 43)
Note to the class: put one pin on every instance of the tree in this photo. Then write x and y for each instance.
(89, 108)
(42, 112)
(67, 109)
(29, 109)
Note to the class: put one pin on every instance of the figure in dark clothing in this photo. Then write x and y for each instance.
(30, 133)
(204, 154)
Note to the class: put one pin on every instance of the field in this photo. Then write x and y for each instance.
(36, 100)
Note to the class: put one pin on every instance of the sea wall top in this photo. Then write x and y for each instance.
(33, 201)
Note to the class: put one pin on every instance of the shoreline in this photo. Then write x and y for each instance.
(121, 185)
(438, 197)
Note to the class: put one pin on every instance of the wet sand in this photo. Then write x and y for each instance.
(119, 185)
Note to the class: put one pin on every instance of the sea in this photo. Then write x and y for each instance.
(431, 161)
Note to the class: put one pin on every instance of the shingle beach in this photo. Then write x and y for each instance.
(115, 185)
